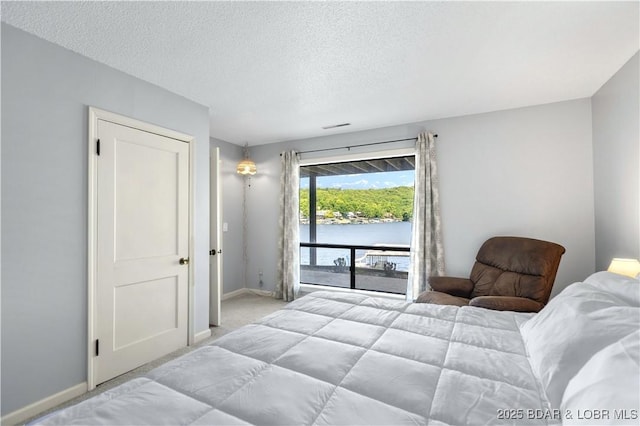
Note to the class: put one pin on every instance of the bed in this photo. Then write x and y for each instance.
(340, 358)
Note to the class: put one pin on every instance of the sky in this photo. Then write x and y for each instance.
(364, 180)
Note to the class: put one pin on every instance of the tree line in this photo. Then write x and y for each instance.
(394, 202)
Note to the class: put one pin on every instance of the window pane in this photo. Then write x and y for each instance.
(330, 268)
(383, 271)
(304, 209)
(365, 203)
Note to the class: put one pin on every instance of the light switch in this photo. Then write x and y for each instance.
(225, 227)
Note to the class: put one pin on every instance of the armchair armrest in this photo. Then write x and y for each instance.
(506, 303)
(461, 287)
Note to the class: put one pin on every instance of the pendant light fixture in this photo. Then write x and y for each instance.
(246, 166)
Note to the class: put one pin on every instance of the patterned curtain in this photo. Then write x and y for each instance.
(289, 246)
(427, 254)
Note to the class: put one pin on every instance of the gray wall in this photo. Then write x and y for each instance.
(232, 188)
(616, 152)
(45, 94)
(521, 172)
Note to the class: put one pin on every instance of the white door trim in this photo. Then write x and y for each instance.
(96, 114)
(215, 237)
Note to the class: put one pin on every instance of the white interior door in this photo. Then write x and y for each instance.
(142, 250)
(215, 254)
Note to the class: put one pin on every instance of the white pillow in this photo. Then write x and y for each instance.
(583, 319)
(607, 389)
(625, 288)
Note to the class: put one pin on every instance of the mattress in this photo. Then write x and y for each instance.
(337, 358)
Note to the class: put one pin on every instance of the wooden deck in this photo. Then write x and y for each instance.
(365, 280)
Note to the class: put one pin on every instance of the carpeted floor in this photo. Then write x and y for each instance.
(236, 312)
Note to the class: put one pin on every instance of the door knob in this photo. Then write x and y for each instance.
(184, 260)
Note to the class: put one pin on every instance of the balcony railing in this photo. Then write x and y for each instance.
(375, 268)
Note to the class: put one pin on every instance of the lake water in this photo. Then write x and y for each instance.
(361, 234)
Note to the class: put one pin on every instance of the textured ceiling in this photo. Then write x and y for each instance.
(275, 71)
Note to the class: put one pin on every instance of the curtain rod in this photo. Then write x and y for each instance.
(356, 146)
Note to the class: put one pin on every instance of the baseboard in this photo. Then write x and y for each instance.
(199, 337)
(24, 413)
(241, 291)
(233, 294)
(264, 293)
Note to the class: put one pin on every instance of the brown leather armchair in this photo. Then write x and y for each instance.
(510, 274)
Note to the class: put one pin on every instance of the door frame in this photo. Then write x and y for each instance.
(215, 236)
(96, 114)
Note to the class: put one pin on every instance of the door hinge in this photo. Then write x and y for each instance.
(98, 147)
(97, 347)
(212, 252)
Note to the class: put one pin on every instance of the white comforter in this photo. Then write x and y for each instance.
(332, 358)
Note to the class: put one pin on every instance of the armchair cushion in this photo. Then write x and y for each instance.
(461, 287)
(506, 303)
(515, 266)
(439, 298)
